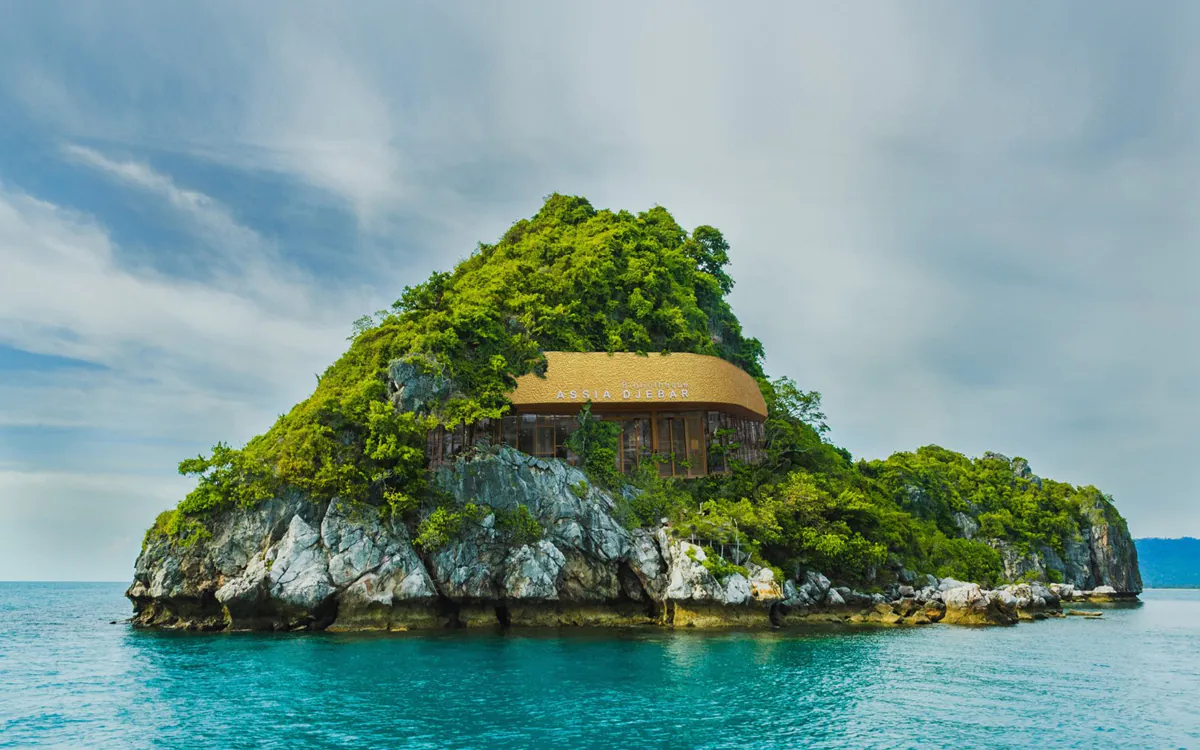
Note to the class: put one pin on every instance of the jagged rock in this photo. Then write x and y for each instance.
(646, 562)
(291, 562)
(244, 593)
(298, 576)
(967, 526)
(532, 571)
(1114, 556)
(815, 586)
(926, 593)
(1064, 591)
(969, 605)
(1033, 600)
(1018, 565)
(415, 389)
(946, 584)
(795, 596)
(1103, 594)
(737, 589)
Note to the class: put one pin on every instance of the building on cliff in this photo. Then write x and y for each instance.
(690, 412)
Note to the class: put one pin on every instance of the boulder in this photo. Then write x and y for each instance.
(299, 576)
(531, 571)
(947, 584)
(967, 604)
(815, 586)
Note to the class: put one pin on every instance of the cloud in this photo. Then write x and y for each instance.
(244, 247)
(315, 115)
(185, 359)
(76, 527)
(964, 225)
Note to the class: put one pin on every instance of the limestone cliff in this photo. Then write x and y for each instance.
(1103, 553)
(293, 564)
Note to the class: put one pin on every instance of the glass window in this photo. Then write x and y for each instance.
(526, 432)
(563, 427)
(545, 436)
(679, 446)
(696, 449)
(508, 431)
(662, 446)
(716, 443)
(631, 444)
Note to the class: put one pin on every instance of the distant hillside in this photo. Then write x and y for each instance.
(1169, 563)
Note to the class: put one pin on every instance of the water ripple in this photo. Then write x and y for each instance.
(70, 679)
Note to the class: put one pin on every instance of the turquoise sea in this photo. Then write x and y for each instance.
(69, 678)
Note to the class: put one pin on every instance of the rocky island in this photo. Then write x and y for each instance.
(570, 428)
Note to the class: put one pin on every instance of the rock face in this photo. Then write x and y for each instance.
(294, 564)
(1102, 555)
(291, 563)
(969, 605)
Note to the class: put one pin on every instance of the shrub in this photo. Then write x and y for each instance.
(719, 567)
(966, 560)
(596, 442)
(444, 524)
(177, 527)
(519, 524)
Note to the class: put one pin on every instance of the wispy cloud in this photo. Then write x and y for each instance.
(966, 225)
(242, 246)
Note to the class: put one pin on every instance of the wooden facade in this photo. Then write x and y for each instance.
(689, 413)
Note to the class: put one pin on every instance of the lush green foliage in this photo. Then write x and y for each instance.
(445, 523)
(519, 525)
(182, 529)
(965, 560)
(573, 278)
(719, 566)
(1010, 504)
(596, 442)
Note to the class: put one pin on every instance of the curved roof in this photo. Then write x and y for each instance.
(625, 381)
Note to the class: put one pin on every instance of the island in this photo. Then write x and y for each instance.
(570, 428)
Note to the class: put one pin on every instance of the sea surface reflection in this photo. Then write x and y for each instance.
(70, 678)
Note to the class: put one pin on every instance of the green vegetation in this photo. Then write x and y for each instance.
(573, 278)
(444, 523)
(520, 525)
(719, 566)
(596, 444)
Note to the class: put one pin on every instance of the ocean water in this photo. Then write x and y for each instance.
(69, 678)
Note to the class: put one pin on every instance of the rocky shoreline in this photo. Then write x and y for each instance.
(293, 564)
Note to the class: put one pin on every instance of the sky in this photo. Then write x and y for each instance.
(969, 224)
